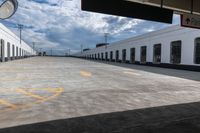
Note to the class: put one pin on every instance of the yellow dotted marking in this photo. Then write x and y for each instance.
(7, 104)
(85, 73)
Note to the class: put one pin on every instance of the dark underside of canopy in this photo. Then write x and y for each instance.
(153, 10)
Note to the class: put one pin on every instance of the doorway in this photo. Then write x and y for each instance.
(2, 56)
(111, 56)
(157, 53)
(143, 54)
(132, 59)
(117, 56)
(124, 55)
(176, 52)
(106, 56)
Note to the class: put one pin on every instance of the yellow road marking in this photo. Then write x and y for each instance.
(85, 73)
(26, 78)
(132, 73)
(58, 91)
(30, 94)
(7, 104)
(47, 89)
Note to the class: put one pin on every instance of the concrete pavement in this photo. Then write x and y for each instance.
(79, 92)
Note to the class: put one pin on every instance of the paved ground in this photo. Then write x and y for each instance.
(68, 95)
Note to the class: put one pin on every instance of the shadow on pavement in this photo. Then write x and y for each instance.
(185, 74)
(181, 118)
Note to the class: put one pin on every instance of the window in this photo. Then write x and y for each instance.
(2, 52)
(132, 59)
(102, 56)
(111, 55)
(176, 52)
(8, 50)
(13, 50)
(95, 56)
(17, 51)
(117, 55)
(197, 51)
(98, 56)
(124, 55)
(106, 56)
(143, 54)
(157, 53)
(2, 49)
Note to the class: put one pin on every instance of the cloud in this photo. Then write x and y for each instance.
(61, 25)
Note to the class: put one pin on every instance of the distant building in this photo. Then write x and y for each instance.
(174, 47)
(10, 47)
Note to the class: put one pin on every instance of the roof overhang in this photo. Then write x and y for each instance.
(154, 10)
(179, 6)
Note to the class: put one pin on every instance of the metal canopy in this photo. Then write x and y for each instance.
(128, 9)
(153, 10)
(179, 6)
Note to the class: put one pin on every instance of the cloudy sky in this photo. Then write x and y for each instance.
(61, 25)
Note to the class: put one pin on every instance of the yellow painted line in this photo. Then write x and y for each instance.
(58, 92)
(30, 94)
(47, 89)
(85, 73)
(35, 78)
(7, 104)
(132, 73)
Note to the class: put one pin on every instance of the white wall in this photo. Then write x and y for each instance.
(164, 37)
(11, 38)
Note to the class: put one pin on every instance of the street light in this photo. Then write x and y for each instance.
(8, 8)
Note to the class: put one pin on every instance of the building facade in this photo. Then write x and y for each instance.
(175, 47)
(10, 46)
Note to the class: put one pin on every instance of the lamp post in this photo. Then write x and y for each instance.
(20, 27)
(8, 8)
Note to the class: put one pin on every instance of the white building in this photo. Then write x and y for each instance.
(10, 47)
(174, 46)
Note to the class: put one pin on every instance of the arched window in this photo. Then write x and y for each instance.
(197, 51)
